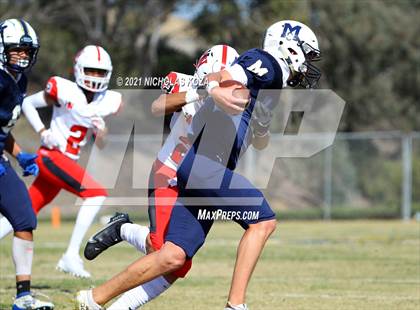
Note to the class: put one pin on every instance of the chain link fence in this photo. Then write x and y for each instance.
(362, 175)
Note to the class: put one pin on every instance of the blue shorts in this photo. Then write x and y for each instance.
(213, 193)
(15, 203)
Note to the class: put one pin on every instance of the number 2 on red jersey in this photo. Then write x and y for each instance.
(73, 142)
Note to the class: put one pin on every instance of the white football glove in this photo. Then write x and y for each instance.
(191, 108)
(98, 123)
(48, 140)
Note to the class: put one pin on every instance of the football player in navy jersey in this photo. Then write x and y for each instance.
(220, 135)
(18, 49)
(289, 47)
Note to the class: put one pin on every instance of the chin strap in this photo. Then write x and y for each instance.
(295, 79)
(286, 58)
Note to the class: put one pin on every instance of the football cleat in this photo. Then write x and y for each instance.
(72, 265)
(107, 236)
(237, 307)
(26, 301)
(83, 302)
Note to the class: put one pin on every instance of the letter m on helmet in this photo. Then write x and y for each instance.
(290, 31)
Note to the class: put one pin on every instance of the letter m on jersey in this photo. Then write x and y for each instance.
(256, 68)
(291, 32)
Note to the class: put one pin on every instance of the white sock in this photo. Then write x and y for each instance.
(22, 252)
(5, 227)
(85, 217)
(92, 304)
(141, 295)
(237, 307)
(135, 235)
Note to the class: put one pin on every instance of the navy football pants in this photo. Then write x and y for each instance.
(15, 203)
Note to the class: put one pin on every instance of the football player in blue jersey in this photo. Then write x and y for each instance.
(220, 134)
(289, 48)
(18, 50)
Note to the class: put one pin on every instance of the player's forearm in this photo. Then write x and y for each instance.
(30, 105)
(215, 76)
(260, 134)
(213, 79)
(223, 96)
(11, 146)
(100, 138)
(260, 142)
(168, 103)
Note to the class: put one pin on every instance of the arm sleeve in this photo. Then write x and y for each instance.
(258, 68)
(29, 106)
(51, 89)
(111, 105)
(238, 74)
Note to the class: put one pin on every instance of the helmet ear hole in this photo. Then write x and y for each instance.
(289, 40)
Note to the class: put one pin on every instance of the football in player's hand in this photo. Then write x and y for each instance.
(239, 90)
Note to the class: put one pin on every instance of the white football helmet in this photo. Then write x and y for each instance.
(297, 44)
(214, 59)
(17, 33)
(92, 57)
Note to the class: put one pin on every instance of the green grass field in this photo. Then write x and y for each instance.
(306, 265)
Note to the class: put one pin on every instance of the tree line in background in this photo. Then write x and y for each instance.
(370, 54)
(370, 58)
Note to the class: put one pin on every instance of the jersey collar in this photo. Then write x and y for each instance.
(4, 68)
